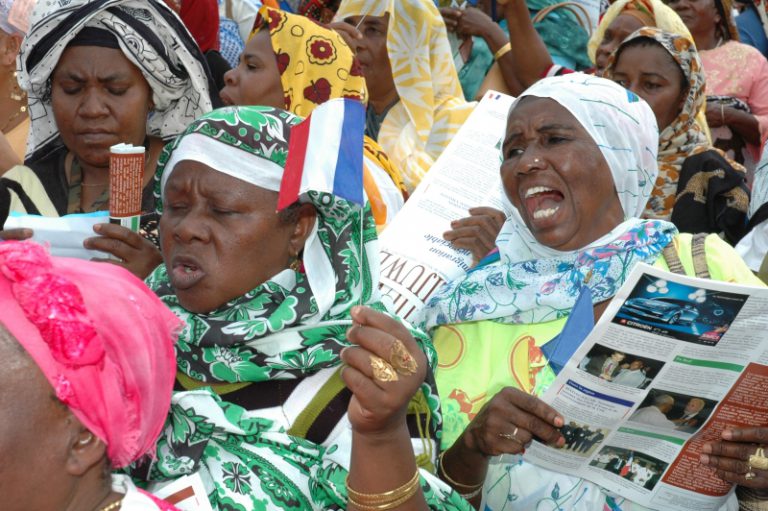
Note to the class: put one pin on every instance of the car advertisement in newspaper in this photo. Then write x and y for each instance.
(672, 362)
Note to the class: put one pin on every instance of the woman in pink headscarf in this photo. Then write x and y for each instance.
(86, 372)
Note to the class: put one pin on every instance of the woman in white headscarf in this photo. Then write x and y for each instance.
(579, 163)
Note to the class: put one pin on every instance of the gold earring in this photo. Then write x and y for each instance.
(295, 264)
(86, 440)
(15, 95)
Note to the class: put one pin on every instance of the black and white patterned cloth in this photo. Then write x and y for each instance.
(150, 35)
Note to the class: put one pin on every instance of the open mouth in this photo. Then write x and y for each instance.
(542, 202)
(185, 273)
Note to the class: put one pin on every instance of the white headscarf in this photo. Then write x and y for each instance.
(624, 128)
(150, 35)
(533, 283)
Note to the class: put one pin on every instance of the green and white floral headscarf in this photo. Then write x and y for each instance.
(280, 330)
(249, 459)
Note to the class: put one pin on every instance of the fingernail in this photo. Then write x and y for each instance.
(704, 459)
(522, 452)
(560, 442)
(707, 448)
(87, 243)
(97, 228)
(727, 434)
(559, 422)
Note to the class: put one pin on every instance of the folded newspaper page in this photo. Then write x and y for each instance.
(415, 259)
(672, 362)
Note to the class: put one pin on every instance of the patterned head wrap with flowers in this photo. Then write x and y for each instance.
(302, 309)
(101, 338)
(663, 17)
(281, 330)
(431, 108)
(315, 63)
(683, 137)
(535, 283)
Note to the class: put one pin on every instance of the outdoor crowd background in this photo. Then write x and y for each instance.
(250, 347)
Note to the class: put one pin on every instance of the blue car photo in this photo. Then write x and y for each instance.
(666, 310)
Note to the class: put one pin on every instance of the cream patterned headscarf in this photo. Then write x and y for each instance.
(683, 137)
(432, 106)
(150, 35)
(666, 19)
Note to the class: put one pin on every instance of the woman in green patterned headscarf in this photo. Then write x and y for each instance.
(262, 409)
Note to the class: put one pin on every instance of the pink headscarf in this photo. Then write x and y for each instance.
(102, 339)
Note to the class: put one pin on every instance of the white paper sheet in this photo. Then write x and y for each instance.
(64, 235)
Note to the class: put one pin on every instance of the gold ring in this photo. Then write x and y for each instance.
(511, 436)
(749, 475)
(401, 359)
(758, 460)
(382, 370)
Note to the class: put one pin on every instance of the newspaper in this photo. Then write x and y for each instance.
(415, 259)
(671, 363)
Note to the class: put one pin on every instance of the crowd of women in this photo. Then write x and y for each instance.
(251, 348)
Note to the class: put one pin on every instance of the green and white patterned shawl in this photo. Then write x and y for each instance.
(279, 330)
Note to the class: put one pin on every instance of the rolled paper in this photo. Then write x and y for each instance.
(126, 176)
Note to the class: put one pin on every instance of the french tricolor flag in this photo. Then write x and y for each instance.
(325, 153)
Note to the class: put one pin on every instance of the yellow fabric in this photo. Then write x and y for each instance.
(431, 107)
(34, 190)
(477, 359)
(667, 20)
(316, 65)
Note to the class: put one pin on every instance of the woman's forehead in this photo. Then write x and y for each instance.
(540, 111)
(102, 63)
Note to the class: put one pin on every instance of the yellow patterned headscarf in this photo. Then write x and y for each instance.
(316, 65)
(666, 20)
(432, 106)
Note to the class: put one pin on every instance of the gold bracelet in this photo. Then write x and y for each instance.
(405, 491)
(386, 506)
(471, 487)
(502, 51)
